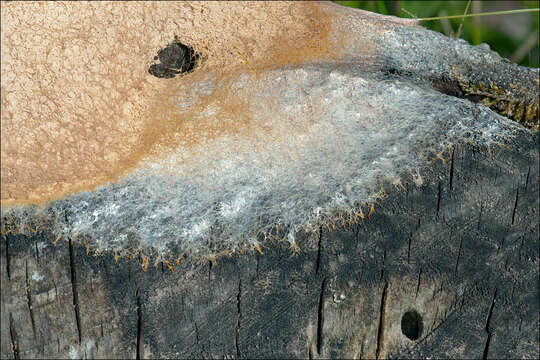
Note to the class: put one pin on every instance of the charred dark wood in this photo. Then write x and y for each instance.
(458, 255)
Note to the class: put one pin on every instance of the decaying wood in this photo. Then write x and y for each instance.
(462, 252)
(444, 263)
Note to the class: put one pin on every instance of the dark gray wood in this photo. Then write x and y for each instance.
(460, 250)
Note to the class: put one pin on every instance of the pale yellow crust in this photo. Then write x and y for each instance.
(79, 107)
(76, 91)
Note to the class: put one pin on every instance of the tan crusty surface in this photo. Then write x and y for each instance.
(75, 85)
(78, 104)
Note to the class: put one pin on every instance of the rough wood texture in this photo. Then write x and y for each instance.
(462, 251)
(332, 108)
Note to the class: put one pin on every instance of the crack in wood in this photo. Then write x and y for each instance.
(409, 248)
(75, 290)
(488, 330)
(480, 216)
(43, 342)
(318, 263)
(14, 341)
(458, 255)
(139, 349)
(196, 332)
(515, 206)
(506, 263)
(434, 325)
(418, 284)
(8, 258)
(237, 328)
(320, 316)
(527, 179)
(521, 246)
(36, 249)
(452, 170)
(382, 318)
(383, 262)
(55, 289)
(29, 301)
(438, 200)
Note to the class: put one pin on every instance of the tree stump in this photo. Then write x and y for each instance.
(416, 237)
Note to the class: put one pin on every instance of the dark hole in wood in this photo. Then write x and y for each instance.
(411, 325)
(174, 59)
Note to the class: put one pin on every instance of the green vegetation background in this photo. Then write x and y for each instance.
(514, 36)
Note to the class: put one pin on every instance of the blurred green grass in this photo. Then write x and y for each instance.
(513, 36)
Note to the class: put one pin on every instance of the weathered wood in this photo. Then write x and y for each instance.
(461, 251)
(333, 108)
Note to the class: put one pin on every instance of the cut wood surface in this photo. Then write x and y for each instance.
(278, 180)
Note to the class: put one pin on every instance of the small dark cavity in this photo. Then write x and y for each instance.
(447, 86)
(412, 325)
(176, 58)
(392, 71)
